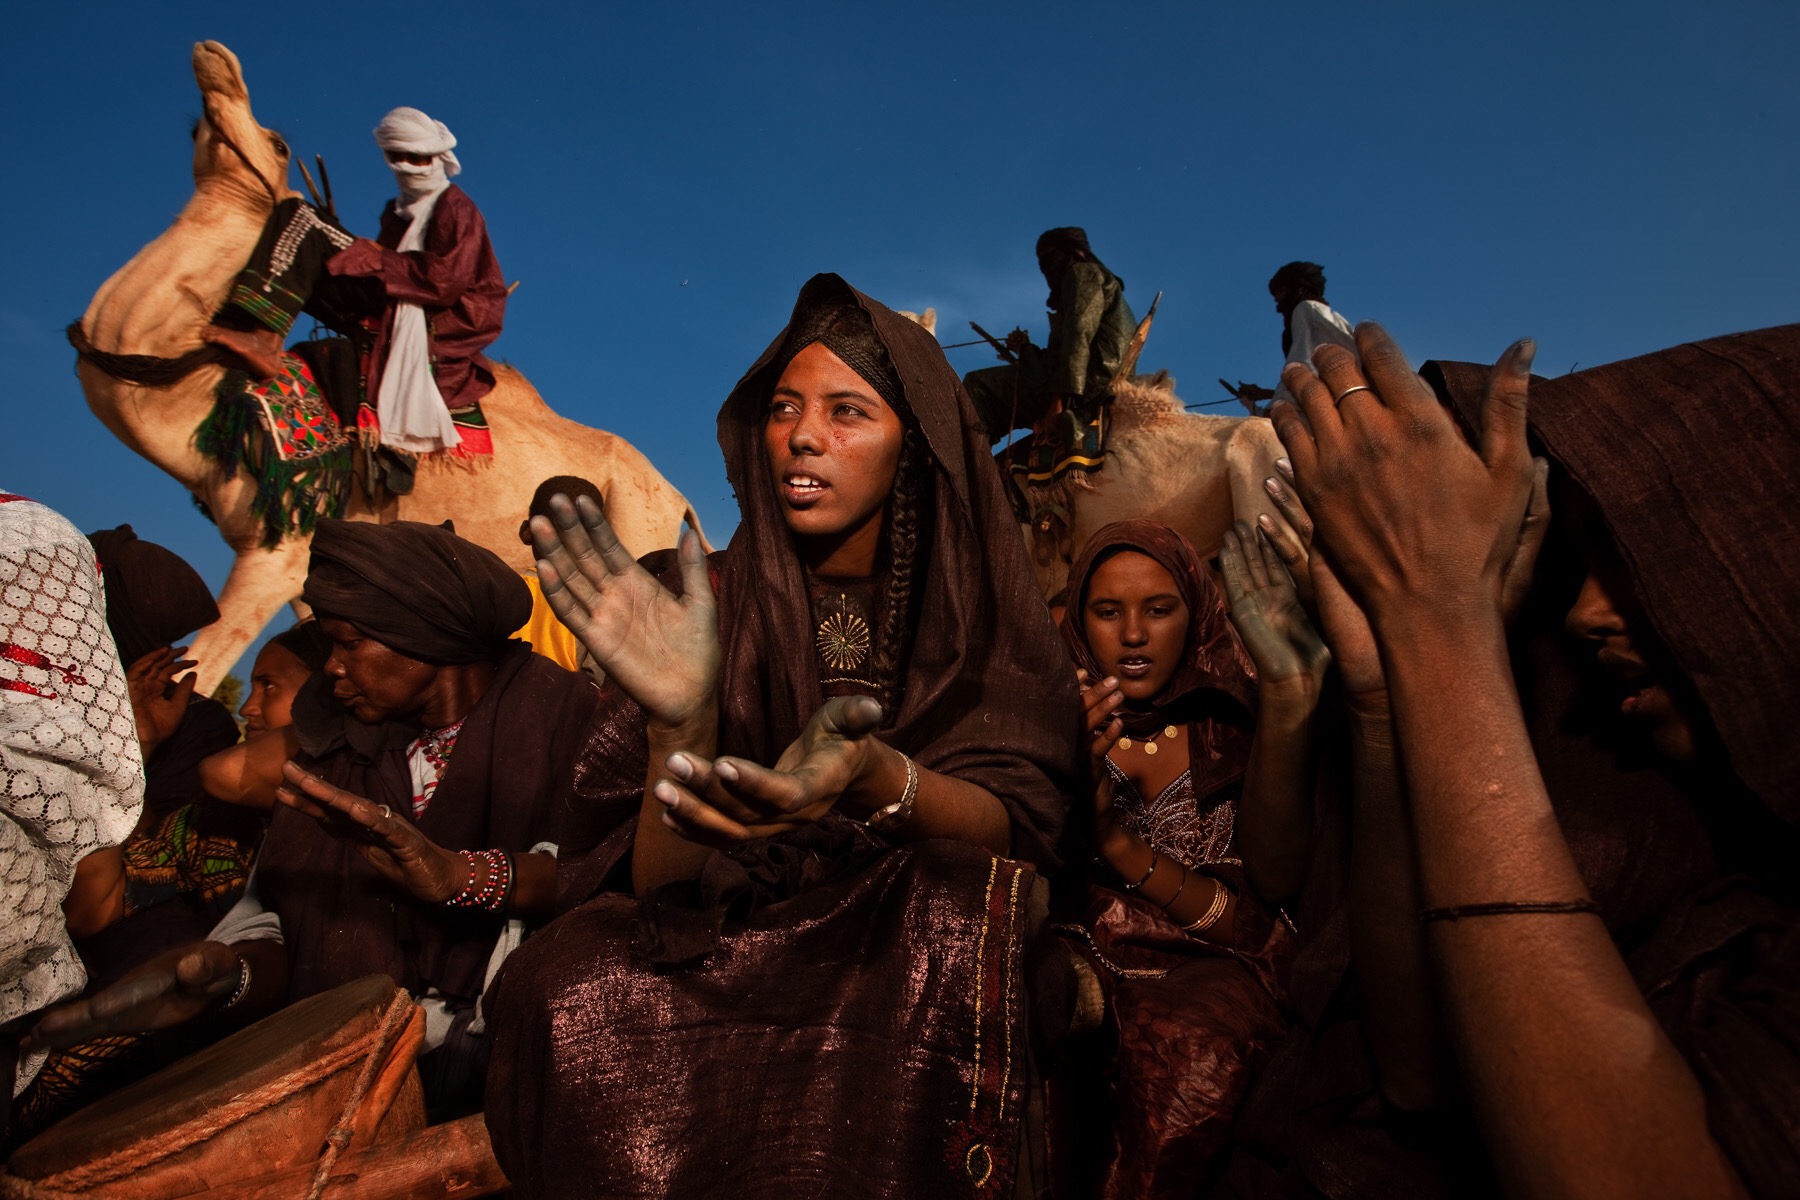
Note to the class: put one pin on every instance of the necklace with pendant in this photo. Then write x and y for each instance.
(1149, 743)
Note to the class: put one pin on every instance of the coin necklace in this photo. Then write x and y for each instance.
(1149, 743)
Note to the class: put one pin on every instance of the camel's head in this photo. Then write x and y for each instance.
(230, 148)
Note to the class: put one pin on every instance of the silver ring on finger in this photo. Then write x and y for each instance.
(386, 812)
(1361, 387)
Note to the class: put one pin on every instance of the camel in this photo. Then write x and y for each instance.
(158, 302)
(1192, 472)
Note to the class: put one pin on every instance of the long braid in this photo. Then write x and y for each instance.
(905, 520)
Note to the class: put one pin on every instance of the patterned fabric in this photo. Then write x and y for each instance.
(427, 758)
(71, 774)
(1173, 823)
(286, 436)
(183, 855)
(471, 426)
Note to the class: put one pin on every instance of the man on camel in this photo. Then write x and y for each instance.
(1091, 328)
(428, 289)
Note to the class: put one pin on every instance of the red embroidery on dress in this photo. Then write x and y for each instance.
(8, 498)
(31, 658)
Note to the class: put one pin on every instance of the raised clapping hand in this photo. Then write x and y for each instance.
(731, 800)
(388, 841)
(661, 648)
(159, 700)
(1289, 654)
(1100, 703)
(1414, 520)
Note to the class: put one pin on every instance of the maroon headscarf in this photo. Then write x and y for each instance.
(1211, 690)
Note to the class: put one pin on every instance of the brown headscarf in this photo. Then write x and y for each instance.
(984, 692)
(1211, 690)
(1692, 456)
(152, 595)
(416, 588)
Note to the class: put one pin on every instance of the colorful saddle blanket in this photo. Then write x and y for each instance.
(288, 435)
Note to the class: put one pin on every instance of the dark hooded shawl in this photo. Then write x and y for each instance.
(1692, 457)
(845, 985)
(428, 594)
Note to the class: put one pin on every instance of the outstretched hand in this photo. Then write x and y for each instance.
(731, 800)
(387, 841)
(661, 648)
(1414, 519)
(170, 989)
(1290, 656)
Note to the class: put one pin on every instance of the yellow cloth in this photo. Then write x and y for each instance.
(547, 635)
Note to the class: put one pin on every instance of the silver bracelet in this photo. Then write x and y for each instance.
(243, 984)
(897, 814)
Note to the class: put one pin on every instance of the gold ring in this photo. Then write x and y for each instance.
(1361, 387)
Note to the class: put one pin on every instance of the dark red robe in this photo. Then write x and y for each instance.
(457, 281)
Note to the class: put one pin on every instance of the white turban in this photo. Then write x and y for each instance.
(412, 132)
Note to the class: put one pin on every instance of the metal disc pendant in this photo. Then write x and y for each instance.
(1169, 731)
(1149, 747)
(1124, 743)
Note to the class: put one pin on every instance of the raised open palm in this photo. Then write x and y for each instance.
(663, 649)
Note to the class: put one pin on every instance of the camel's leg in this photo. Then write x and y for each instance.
(261, 581)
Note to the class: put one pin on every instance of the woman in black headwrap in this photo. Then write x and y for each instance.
(794, 960)
(416, 814)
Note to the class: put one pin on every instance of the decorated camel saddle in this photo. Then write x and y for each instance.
(310, 433)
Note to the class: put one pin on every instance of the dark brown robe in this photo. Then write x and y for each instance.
(1692, 457)
(340, 919)
(858, 1027)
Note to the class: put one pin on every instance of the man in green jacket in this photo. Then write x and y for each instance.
(1090, 328)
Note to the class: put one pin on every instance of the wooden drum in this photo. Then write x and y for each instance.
(332, 1070)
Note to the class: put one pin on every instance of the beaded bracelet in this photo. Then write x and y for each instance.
(489, 890)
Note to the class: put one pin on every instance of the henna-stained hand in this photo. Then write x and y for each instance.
(388, 841)
(662, 649)
(1289, 654)
(732, 800)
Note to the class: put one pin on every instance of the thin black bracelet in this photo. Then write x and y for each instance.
(1500, 908)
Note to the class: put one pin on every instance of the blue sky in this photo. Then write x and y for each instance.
(1610, 178)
